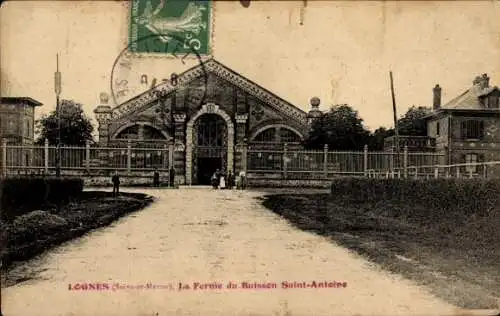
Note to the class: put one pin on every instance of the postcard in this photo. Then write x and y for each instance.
(168, 157)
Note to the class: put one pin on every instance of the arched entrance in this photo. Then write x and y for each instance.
(209, 144)
(209, 147)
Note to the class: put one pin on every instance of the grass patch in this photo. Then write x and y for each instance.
(450, 247)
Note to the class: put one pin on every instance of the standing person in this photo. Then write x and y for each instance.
(243, 179)
(156, 178)
(238, 182)
(214, 181)
(222, 181)
(116, 183)
(171, 177)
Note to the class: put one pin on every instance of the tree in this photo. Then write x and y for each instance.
(341, 128)
(76, 127)
(413, 122)
(377, 138)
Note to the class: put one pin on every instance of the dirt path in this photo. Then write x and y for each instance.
(205, 236)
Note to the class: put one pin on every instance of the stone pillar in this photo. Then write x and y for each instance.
(180, 148)
(103, 116)
(241, 124)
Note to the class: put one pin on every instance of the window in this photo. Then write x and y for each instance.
(28, 129)
(437, 128)
(472, 129)
(493, 102)
(289, 136)
(268, 135)
(471, 159)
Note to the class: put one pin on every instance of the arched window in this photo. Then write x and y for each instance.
(131, 132)
(289, 136)
(152, 133)
(268, 135)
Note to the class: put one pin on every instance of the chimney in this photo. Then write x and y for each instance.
(476, 80)
(485, 81)
(437, 97)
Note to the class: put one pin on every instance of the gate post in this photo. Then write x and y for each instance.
(365, 160)
(284, 159)
(46, 156)
(325, 161)
(87, 156)
(129, 156)
(405, 162)
(4, 157)
(244, 156)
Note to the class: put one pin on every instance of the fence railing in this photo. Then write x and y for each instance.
(284, 162)
(288, 163)
(484, 170)
(88, 159)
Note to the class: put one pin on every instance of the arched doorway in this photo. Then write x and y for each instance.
(192, 141)
(209, 147)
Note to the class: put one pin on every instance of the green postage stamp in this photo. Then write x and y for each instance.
(170, 26)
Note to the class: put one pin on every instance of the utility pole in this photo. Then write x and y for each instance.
(396, 132)
(57, 89)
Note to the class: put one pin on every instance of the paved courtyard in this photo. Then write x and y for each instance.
(197, 235)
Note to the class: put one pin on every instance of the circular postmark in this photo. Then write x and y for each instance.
(156, 71)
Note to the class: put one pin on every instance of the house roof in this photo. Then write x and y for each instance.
(20, 100)
(470, 99)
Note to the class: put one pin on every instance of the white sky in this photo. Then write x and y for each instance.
(342, 53)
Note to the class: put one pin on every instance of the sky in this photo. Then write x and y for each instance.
(342, 53)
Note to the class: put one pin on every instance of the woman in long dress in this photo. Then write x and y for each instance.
(222, 183)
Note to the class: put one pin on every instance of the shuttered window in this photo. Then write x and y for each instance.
(472, 129)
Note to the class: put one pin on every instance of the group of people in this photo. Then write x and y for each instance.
(222, 180)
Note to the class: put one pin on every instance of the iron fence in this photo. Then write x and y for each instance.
(87, 159)
(293, 163)
(271, 161)
(482, 170)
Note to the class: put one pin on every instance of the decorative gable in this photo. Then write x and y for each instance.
(212, 66)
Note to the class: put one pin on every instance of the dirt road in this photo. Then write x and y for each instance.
(211, 238)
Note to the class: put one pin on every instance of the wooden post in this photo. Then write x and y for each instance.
(365, 159)
(395, 117)
(46, 156)
(325, 161)
(129, 156)
(436, 172)
(284, 159)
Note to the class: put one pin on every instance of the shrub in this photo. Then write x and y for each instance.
(29, 227)
(465, 194)
(24, 194)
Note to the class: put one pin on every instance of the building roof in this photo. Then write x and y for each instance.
(224, 72)
(20, 100)
(470, 99)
